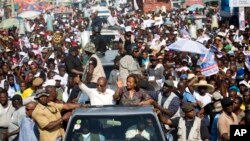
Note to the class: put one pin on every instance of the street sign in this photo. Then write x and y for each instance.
(239, 3)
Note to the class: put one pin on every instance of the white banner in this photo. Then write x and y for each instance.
(239, 3)
(242, 18)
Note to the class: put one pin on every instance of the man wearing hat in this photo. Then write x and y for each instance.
(167, 101)
(226, 119)
(94, 68)
(202, 94)
(190, 127)
(48, 116)
(202, 90)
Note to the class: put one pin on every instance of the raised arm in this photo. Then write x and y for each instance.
(116, 96)
(82, 86)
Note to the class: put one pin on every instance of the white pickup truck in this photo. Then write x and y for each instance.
(115, 123)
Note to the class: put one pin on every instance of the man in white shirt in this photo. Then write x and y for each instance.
(6, 110)
(16, 117)
(100, 95)
(137, 132)
(112, 19)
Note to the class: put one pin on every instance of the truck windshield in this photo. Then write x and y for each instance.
(114, 128)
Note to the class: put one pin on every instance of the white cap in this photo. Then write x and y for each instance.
(57, 77)
(42, 33)
(175, 32)
(231, 26)
(50, 82)
(67, 40)
(22, 53)
(29, 63)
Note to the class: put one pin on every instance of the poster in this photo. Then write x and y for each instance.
(208, 66)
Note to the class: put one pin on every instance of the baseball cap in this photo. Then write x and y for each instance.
(16, 97)
(40, 93)
(169, 83)
(187, 107)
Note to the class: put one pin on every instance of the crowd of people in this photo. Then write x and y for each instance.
(49, 62)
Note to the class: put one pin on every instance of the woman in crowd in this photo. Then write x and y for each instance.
(131, 94)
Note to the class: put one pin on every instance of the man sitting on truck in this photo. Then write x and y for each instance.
(85, 134)
(137, 132)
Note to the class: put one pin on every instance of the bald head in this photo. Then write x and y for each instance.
(101, 84)
(31, 104)
(103, 79)
(29, 107)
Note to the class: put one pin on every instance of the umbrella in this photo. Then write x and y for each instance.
(9, 23)
(186, 45)
(194, 7)
(29, 14)
(192, 2)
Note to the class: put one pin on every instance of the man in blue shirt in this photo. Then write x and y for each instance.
(28, 128)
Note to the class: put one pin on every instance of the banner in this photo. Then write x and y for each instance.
(239, 3)
(208, 66)
(26, 5)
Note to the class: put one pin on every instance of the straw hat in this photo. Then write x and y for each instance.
(203, 83)
(90, 47)
(37, 81)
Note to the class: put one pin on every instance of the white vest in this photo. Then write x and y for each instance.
(167, 103)
(194, 134)
(98, 70)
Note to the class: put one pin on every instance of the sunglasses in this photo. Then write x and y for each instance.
(98, 85)
(27, 109)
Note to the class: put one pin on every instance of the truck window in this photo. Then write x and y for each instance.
(115, 128)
